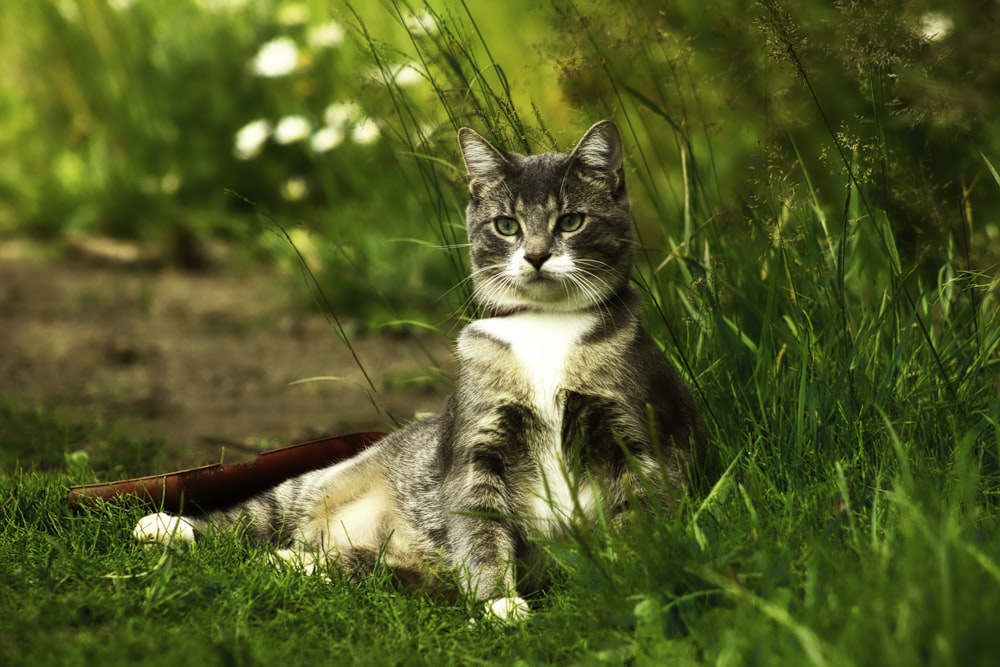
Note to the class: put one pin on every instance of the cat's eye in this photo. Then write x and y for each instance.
(506, 226)
(569, 222)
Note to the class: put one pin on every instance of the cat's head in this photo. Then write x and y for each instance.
(548, 232)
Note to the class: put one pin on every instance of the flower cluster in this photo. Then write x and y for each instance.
(342, 120)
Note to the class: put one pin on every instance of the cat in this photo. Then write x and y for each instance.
(563, 405)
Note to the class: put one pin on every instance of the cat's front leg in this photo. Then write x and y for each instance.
(484, 553)
(485, 528)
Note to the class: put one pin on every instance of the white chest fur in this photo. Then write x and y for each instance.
(542, 344)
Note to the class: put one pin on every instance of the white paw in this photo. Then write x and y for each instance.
(294, 558)
(307, 563)
(162, 528)
(508, 610)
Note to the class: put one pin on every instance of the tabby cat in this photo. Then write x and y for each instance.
(563, 403)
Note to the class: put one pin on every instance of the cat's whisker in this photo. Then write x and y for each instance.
(611, 291)
(471, 278)
(483, 271)
(603, 267)
(496, 289)
(594, 295)
(594, 277)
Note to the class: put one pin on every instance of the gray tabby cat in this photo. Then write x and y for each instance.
(563, 404)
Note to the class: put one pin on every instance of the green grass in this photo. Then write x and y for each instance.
(887, 555)
(845, 351)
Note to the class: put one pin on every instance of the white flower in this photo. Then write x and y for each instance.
(295, 13)
(935, 26)
(69, 10)
(340, 114)
(295, 189)
(305, 247)
(407, 75)
(291, 129)
(365, 132)
(420, 24)
(251, 137)
(327, 138)
(278, 57)
(170, 183)
(326, 35)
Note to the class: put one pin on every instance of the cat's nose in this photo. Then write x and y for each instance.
(537, 259)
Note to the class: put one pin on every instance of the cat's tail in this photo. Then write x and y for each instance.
(272, 516)
(266, 517)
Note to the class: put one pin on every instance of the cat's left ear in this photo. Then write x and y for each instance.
(484, 162)
(599, 156)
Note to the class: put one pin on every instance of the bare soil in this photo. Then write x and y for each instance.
(199, 361)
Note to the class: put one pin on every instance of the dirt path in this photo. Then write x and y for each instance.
(199, 361)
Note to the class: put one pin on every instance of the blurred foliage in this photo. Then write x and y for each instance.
(183, 124)
(892, 100)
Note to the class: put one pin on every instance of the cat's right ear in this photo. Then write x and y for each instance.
(484, 162)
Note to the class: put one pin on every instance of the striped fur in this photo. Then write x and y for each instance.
(550, 418)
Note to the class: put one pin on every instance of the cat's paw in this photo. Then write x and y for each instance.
(307, 563)
(162, 528)
(295, 559)
(508, 610)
